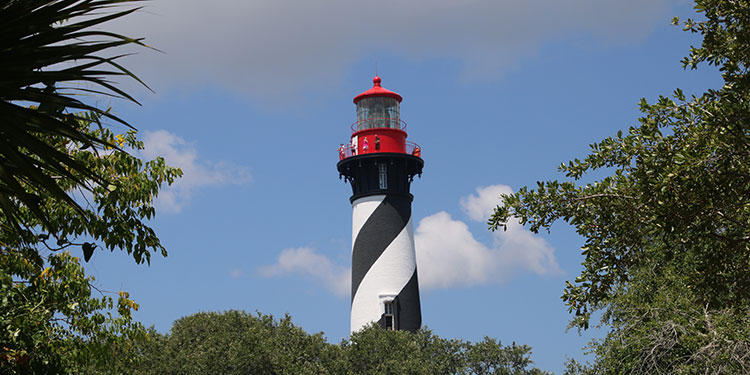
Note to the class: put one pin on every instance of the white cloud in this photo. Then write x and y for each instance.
(307, 262)
(196, 173)
(271, 48)
(448, 255)
(480, 207)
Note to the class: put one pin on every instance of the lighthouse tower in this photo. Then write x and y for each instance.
(380, 165)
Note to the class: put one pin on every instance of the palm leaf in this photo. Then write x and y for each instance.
(45, 45)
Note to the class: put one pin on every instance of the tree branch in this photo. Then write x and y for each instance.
(603, 195)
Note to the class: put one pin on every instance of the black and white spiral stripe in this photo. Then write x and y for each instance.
(383, 261)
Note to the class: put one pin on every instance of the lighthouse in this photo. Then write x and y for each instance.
(380, 164)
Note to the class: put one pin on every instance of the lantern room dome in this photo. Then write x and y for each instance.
(377, 91)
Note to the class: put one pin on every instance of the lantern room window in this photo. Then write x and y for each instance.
(378, 112)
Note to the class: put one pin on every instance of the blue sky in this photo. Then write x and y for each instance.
(253, 98)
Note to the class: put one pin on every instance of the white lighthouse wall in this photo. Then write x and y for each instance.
(388, 275)
(362, 208)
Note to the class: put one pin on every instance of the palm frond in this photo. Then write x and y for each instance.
(46, 45)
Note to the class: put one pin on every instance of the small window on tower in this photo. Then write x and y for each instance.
(383, 176)
(388, 318)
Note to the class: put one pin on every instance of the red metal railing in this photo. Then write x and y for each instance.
(378, 122)
(413, 149)
(348, 150)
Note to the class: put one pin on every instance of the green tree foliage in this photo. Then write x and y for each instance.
(375, 351)
(52, 318)
(66, 183)
(667, 232)
(236, 342)
(239, 343)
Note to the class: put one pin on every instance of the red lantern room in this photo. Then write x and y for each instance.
(378, 159)
(379, 127)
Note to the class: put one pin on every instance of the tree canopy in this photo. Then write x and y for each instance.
(235, 342)
(667, 231)
(50, 316)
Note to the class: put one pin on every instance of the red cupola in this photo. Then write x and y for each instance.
(379, 128)
(377, 91)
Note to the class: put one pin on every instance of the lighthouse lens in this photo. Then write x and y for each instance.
(378, 112)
